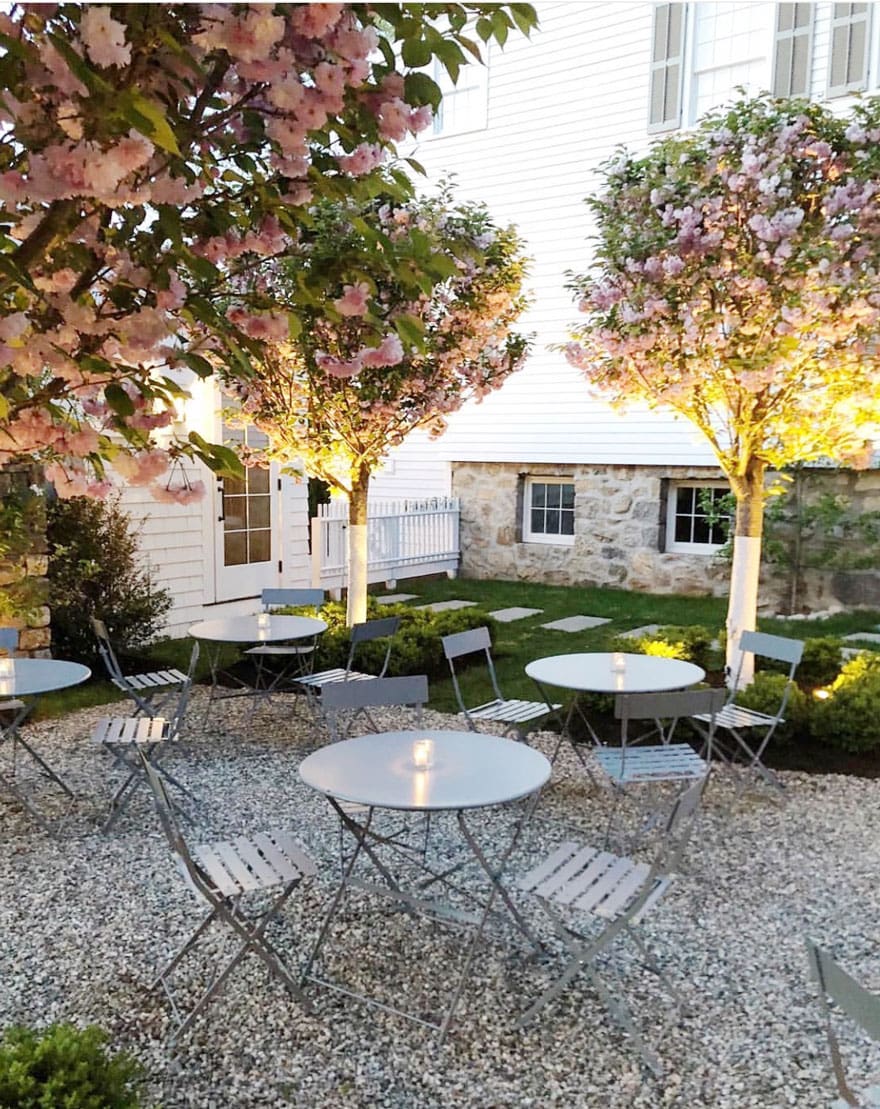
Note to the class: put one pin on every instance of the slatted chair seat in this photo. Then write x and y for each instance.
(337, 674)
(126, 737)
(673, 762)
(369, 631)
(226, 875)
(516, 715)
(738, 716)
(151, 690)
(579, 880)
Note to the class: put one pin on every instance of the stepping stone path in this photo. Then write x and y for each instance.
(446, 606)
(508, 615)
(869, 637)
(576, 623)
(851, 652)
(396, 598)
(637, 633)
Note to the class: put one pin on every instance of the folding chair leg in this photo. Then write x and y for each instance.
(620, 1011)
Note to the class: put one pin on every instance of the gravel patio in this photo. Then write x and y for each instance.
(86, 919)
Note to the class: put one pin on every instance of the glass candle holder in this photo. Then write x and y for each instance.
(423, 754)
(263, 619)
(7, 667)
(618, 662)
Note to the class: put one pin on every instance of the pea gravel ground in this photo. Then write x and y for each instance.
(86, 919)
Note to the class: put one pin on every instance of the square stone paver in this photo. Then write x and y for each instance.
(395, 598)
(851, 652)
(508, 615)
(576, 623)
(637, 633)
(445, 606)
(869, 637)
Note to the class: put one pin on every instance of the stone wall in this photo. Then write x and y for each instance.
(24, 560)
(619, 527)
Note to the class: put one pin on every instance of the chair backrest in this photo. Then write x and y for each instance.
(178, 716)
(383, 628)
(194, 875)
(470, 642)
(410, 691)
(295, 598)
(8, 640)
(778, 647)
(859, 1004)
(673, 707)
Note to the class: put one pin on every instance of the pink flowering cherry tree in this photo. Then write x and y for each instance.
(411, 307)
(737, 281)
(150, 154)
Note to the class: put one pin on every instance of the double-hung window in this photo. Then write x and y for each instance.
(548, 510)
(848, 64)
(464, 106)
(696, 517)
(667, 58)
(793, 49)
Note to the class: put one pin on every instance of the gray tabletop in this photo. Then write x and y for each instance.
(593, 673)
(470, 770)
(25, 677)
(247, 629)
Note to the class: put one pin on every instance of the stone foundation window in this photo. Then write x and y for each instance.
(548, 510)
(690, 528)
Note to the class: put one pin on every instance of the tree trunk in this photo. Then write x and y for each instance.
(356, 610)
(742, 608)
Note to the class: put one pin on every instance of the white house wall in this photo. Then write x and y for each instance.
(558, 106)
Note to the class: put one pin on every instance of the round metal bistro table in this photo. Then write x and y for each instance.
(253, 631)
(608, 672)
(28, 678)
(466, 771)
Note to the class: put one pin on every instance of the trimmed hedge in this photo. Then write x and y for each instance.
(692, 644)
(850, 717)
(765, 694)
(416, 648)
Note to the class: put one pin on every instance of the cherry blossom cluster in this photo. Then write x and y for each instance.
(152, 153)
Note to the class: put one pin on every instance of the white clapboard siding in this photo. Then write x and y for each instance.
(559, 104)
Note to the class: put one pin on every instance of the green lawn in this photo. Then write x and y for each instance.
(516, 643)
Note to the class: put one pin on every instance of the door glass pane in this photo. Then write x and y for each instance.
(235, 513)
(258, 480)
(234, 548)
(259, 512)
(259, 546)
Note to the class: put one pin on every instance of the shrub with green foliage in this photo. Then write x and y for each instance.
(765, 694)
(693, 644)
(850, 717)
(819, 665)
(94, 571)
(417, 648)
(64, 1067)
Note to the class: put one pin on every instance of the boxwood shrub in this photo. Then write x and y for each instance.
(64, 1067)
(693, 644)
(850, 717)
(765, 694)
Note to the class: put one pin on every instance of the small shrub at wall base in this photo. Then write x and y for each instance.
(416, 648)
(850, 717)
(95, 570)
(64, 1067)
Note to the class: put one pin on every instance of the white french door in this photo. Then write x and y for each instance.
(248, 532)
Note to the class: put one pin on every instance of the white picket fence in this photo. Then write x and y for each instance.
(406, 539)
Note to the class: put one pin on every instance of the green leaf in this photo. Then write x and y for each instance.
(417, 166)
(501, 26)
(119, 400)
(410, 329)
(484, 28)
(416, 53)
(221, 460)
(147, 116)
(199, 365)
(92, 81)
(419, 88)
(525, 17)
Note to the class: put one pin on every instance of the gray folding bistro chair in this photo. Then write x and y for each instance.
(383, 628)
(517, 717)
(150, 690)
(225, 875)
(136, 741)
(750, 731)
(859, 1005)
(619, 892)
(346, 702)
(636, 764)
(295, 659)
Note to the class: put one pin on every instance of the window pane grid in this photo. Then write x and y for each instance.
(550, 509)
(690, 524)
